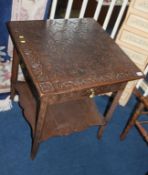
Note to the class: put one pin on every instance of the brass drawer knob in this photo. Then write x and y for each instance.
(21, 36)
(92, 93)
(23, 41)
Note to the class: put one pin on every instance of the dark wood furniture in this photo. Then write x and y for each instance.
(66, 63)
(140, 109)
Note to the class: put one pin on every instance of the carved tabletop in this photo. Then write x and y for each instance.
(67, 55)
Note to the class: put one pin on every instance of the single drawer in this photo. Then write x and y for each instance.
(90, 93)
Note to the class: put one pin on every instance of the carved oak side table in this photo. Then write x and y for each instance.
(65, 64)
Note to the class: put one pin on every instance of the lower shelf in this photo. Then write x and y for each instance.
(61, 119)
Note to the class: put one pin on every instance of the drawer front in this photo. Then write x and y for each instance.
(86, 93)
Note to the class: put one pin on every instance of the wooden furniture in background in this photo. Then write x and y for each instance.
(133, 39)
(90, 11)
(66, 63)
(140, 109)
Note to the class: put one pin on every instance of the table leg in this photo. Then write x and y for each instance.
(39, 126)
(14, 73)
(109, 112)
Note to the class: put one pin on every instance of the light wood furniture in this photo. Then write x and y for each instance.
(133, 39)
(140, 109)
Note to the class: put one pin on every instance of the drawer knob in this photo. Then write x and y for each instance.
(92, 93)
(23, 41)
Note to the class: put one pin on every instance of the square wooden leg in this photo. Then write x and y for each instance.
(109, 112)
(39, 126)
(14, 74)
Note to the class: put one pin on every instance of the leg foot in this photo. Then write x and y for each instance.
(34, 150)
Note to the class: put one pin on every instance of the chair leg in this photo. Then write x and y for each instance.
(142, 130)
(132, 121)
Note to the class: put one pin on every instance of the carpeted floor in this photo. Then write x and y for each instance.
(77, 154)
